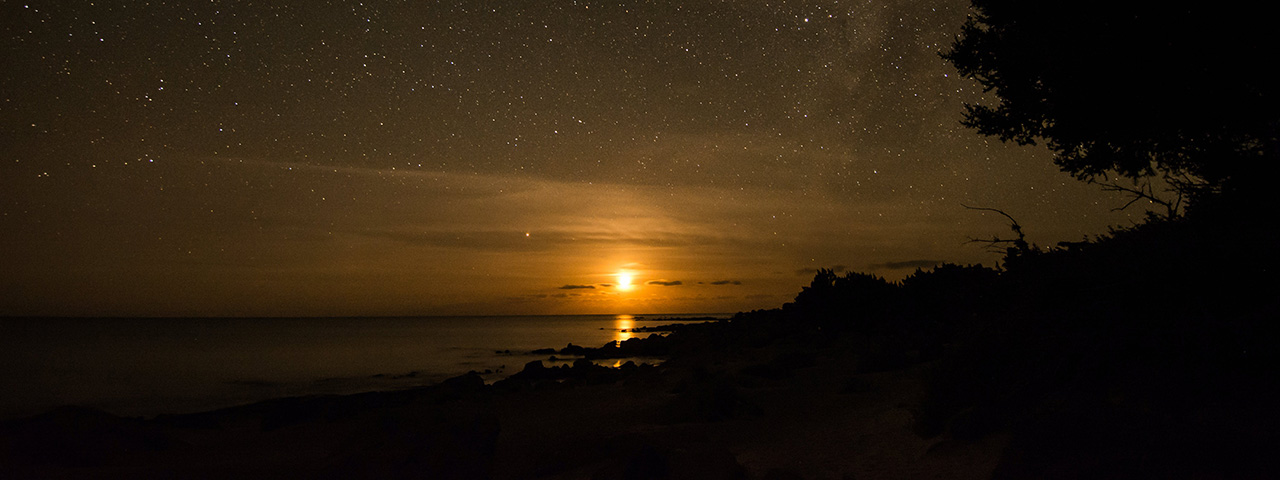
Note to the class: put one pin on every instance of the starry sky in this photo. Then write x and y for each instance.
(335, 158)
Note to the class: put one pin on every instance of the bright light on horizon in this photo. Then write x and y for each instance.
(624, 281)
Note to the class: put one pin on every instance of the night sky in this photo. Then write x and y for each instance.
(269, 158)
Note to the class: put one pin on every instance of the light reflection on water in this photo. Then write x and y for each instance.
(624, 324)
(147, 366)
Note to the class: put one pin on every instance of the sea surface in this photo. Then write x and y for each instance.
(151, 366)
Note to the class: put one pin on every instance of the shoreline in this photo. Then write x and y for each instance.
(962, 372)
(143, 367)
(709, 411)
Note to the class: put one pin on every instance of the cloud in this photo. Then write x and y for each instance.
(664, 283)
(810, 271)
(727, 282)
(907, 264)
(576, 287)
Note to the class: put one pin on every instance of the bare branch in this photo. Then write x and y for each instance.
(995, 244)
(989, 209)
(1145, 191)
(1019, 244)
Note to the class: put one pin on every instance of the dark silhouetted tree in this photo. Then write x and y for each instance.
(1123, 89)
(854, 300)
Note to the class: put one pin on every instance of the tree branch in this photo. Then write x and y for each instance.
(1019, 244)
(1146, 192)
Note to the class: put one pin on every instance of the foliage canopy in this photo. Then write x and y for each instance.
(1121, 88)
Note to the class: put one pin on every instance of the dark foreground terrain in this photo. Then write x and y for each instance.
(1148, 353)
(776, 411)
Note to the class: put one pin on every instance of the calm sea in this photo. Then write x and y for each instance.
(149, 366)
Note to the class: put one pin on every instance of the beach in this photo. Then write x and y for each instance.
(960, 372)
(723, 410)
(151, 366)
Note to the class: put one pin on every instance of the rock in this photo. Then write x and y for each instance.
(76, 437)
(469, 381)
(572, 349)
(534, 367)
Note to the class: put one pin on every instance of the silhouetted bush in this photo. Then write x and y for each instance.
(856, 301)
(1143, 333)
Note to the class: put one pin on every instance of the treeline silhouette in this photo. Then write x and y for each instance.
(1148, 351)
(1118, 90)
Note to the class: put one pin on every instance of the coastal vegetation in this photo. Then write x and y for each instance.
(1145, 351)
(1148, 351)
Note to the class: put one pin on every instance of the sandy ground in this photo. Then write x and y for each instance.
(811, 425)
(701, 418)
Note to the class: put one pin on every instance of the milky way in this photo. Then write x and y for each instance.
(403, 158)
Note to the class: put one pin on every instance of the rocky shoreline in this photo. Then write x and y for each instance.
(957, 373)
(713, 409)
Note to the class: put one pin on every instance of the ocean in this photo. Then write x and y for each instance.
(152, 366)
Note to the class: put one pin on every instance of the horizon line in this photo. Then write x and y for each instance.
(321, 317)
